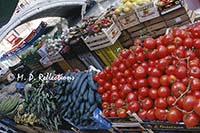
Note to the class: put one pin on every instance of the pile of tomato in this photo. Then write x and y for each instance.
(159, 79)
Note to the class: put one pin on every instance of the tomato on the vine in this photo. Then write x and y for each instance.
(188, 103)
(164, 91)
(133, 106)
(149, 43)
(174, 115)
(121, 113)
(191, 119)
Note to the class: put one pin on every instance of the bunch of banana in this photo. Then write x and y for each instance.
(8, 106)
(26, 119)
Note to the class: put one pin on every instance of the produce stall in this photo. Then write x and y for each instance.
(133, 68)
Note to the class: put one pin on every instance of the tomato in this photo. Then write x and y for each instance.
(188, 103)
(115, 81)
(102, 75)
(130, 80)
(137, 42)
(149, 43)
(113, 113)
(140, 72)
(178, 88)
(168, 39)
(105, 105)
(101, 90)
(147, 103)
(119, 103)
(188, 42)
(153, 93)
(194, 62)
(131, 97)
(154, 82)
(190, 54)
(122, 81)
(151, 114)
(197, 107)
(131, 59)
(195, 72)
(114, 96)
(196, 43)
(180, 52)
(127, 88)
(119, 75)
(170, 100)
(135, 84)
(161, 114)
(180, 103)
(171, 79)
(127, 73)
(121, 113)
(181, 72)
(196, 93)
(143, 91)
(125, 53)
(101, 82)
(191, 119)
(152, 55)
(122, 67)
(162, 64)
(107, 86)
(164, 91)
(195, 84)
(160, 103)
(133, 106)
(114, 70)
(196, 31)
(140, 57)
(142, 114)
(185, 81)
(177, 41)
(171, 48)
(162, 51)
(106, 112)
(164, 80)
(158, 41)
(142, 83)
(105, 96)
(95, 77)
(155, 72)
(174, 115)
(136, 49)
(170, 70)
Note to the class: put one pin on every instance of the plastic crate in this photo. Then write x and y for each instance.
(106, 38)
(147, 11)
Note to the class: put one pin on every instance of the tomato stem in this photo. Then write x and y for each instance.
(183, 110)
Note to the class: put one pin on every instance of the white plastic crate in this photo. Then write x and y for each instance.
(147, 11)
(127, 20)
(107, 38)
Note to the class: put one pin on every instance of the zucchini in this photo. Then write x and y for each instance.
(93, 107)
(85, 96)
(91, 97)
(81, 81)
(83, 87)
(77, 104)
(77, 79)
(98, 98)
(74, 98)
(82, 107)
(91, 81)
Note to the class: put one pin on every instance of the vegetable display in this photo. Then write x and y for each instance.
(77, 98)
(159, 79)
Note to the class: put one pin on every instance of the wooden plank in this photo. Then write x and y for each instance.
(139, 33)
(127, 43)
(156, 26)
(136, 28)
(175, 13)
(159, 32)
(181, 24)
(153, 21)
(178, 20)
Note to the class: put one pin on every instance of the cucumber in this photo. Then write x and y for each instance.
(81, 81)
(74, 96)
(93, 107)
(83, 87)
(91, 81)
(85, 96)
(91, 97)
(77, 104)
(98, 98)
(82, 107)
(77, 79)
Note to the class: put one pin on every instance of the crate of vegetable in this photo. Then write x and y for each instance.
(101, 34)
(158, 79)
(78, 100)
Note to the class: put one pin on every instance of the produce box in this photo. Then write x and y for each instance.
(171, 6)
(147, 11)
(136, 28)
(158, 32)
(139, 33)
(106, 38)
(177, 20)
(156, 26)
(127, 20)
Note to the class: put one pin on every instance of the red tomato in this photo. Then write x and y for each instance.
(127, 88)
(197, 107)
(174, 115)
(114, 96)
(196, 43)
(101, 90)
(140, 57)
(168, 39)
(113, 113)
(119, 103)
(151, 114)
(162, 64)
(158, 41)
(122, 81)
(114, 70)
(194, 62)
(196, 31)
(115, 81)
(96, 77)
(171, 79)
(142, 114)
(122, 67)
(177, 41)
(142, 83)
(170, 100)
(137, 42)
(131, 59)
(181, 72)
(178, 88)
(155, 72)
(133, 106)
(188, 103)
(161, 114)
(153, 93)
(191, 54)
(106, 112)
(135, 84)
(130, 80)
(154, 82)
(160, 103)
(180, 103)
(143, 91)
(105, 96)
(121, 113)
(105, 105)
(164, 91)
(131, 97)
(195, 72)
(191, 119)
(170, 70)
(125, 53)
(149, 43)
(164, 80)
(147, 103)
(196, 94)
(162, 51)
(171, 48)
(140, 72)
(152, 55)
(127, 73)
(195, 84)
(188, 42)
(119, 75)
(107, 86)
(101, 82)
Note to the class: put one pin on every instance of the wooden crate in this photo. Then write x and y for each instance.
(156, 26)
(177, 20)
(154, 21)
(136, 28)
(127, 43)
(139, 33)
(158, 32)
(175, 13)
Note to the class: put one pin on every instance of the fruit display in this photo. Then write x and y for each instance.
(77, 98)
(128, 5)
(159, 79)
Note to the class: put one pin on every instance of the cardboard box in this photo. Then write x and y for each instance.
(147, 11)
